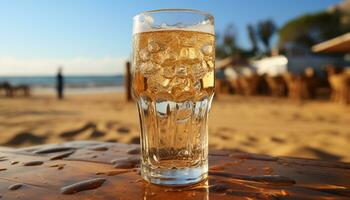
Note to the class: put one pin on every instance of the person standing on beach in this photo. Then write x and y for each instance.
(60, 83)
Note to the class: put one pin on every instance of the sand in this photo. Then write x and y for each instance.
(279, 127)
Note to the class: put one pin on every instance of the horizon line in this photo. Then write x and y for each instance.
(67, 75)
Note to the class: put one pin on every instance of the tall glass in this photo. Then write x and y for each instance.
(173, 82)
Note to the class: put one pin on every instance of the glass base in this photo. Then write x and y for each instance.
(174, 177)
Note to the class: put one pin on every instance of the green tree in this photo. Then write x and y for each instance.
(227, 43)
(310, 29)
(266, 29)
(253, 38)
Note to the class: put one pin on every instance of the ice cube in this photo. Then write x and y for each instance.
(169, 71)
(148, 68)
(207, 49)
(157, 57)
(181, 88)
(153, 46)
(180, 83)
(188, 53)
(199, 70)
(171, 55)
(144, 55)
(210, 64)
(158, 83)
(161, 56)
(181, 71)
(197, 85)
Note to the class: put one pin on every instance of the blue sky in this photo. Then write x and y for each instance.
(94, 37)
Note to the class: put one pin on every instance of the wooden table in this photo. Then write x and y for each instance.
(109, 171)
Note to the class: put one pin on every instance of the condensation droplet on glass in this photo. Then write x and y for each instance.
(155, 158)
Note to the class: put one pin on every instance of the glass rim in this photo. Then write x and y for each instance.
(179, 10)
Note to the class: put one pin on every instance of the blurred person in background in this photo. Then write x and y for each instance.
(59, 83)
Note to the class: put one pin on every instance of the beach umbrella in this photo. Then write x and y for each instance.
(339, 44)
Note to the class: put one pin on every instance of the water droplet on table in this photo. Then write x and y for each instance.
(33, 163)
(14, 162)
(82, 186)
(126, 163)
(61, 155)
(52, 150)
(134, 151)
(15, 186)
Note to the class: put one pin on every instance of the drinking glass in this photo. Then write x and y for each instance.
(173, 83)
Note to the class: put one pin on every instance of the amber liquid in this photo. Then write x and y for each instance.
(174, 85)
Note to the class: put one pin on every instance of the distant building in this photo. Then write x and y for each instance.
(278, 65)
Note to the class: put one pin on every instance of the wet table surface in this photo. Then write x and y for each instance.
(109, 171)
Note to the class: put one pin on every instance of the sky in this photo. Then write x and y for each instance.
(94, 36)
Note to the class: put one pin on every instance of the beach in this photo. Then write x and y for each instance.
(266, 125)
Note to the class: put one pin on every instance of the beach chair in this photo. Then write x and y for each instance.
(236, 86)
(23, 90)
(277, 86)
(10, 91)
(297, 86)
(340, 85)
(249, 84)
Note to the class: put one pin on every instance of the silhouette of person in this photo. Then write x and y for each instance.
(60, 83)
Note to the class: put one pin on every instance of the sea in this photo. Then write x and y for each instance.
(73, 84)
